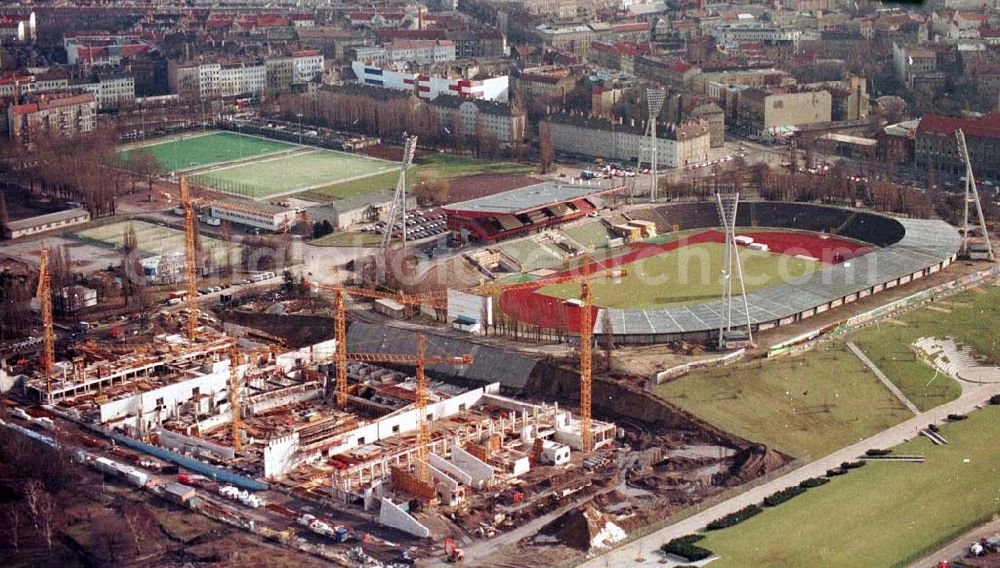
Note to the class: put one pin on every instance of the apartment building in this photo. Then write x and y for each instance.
(109, 89)
(92, 49)
(912, 62)
(544, 83)
(935, 143)
(419, 51)
(55, 113)
(763, 113)
(734, 34)
(17, 84)
(211, 79)
(677, 145)
(428, 87)
(477, 116)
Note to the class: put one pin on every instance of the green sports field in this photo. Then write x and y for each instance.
(293, 173)
(154, 240)
(688, 275)
(197, 150)
(884, 514)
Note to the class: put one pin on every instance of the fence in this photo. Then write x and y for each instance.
(676, 371)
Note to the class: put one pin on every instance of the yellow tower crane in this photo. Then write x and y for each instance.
(44, 295)
(190, 259)
(585, 278)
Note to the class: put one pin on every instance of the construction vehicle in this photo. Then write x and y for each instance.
(585, 279)
(451, 552)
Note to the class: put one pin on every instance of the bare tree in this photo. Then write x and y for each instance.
(608, 337)
(12, 514)
(548, 153)
(139, 520)
(144, 164)
(42, 507)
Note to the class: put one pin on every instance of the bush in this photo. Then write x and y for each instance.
(995, 399)
(685, 548)
(933, 428)
(852, 465)
(877, 452)
(957, 417)
(780, 497)
(734, 518)
(814, 482)
(835, 472)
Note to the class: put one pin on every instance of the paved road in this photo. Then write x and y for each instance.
(959, 546)
(973, 396)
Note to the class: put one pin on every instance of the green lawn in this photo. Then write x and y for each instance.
(889, 345)
(295, 172)
(429, 166)
(805, 406)
(350, 239)
(688, 275)
(196, 150)
(884, 514)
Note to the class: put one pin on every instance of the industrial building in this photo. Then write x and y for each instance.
(255, 215)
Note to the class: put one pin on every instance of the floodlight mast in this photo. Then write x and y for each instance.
(397, 210)
(654, 100)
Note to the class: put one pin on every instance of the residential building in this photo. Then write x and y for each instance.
(544, 83)
(913, 61)
(677, 145)
(676, 73)
(103, 48)
(18, 27)
(257, 215)
(714, 117)
(764, 113)
(55, 113)
(211, 80)
(109, 89)
(43, 223)
(895, 142)
(478, 116)
(428, 86)
(16, 84)
(735, 34)
(419, 51)
(935, 143)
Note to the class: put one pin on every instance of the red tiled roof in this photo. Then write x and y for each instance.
(306, 53)
(986, 126)
(680, 67)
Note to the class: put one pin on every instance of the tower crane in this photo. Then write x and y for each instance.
(585, 278)
(420, 361)
(236, 358)
(190, 259)
(44, 295)
(340, 323)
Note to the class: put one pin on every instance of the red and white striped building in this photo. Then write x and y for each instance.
(430, 86)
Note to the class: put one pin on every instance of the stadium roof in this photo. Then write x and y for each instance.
(527, 198)
(925, 243)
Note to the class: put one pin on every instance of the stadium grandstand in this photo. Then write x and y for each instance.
(523, 211)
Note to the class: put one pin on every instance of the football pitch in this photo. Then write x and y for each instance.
(686, 275)
(154, 240)
(292, 173)
(197, 150)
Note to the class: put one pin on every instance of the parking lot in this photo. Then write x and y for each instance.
(420, 224)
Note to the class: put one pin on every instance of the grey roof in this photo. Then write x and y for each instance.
(56, 217)
(925, 243)
(526, 198)
(489, 364)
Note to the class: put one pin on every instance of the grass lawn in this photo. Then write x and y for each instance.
(888, 345)
(349, 239)
(884, 514)
(294, 172)
(691, 274)
(429, 166)
(197, 150)
(805, 406)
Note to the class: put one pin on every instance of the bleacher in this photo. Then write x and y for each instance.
(558, 210)
(508, 222)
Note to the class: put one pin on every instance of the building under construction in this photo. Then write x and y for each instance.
(179, 394)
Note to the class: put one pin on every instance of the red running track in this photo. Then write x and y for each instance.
(528, 306)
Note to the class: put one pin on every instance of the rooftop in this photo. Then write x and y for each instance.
(986, 126)
(526, 198)
(45, 219)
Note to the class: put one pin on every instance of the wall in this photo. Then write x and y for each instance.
(391, 515)
(479, 471)
(280, 456)
(215, 382)
(185, 444)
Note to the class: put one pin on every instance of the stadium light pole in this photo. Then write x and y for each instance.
(654, 100)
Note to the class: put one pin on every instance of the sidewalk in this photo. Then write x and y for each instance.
(626, 555)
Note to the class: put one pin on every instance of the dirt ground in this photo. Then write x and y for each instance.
(472, 187)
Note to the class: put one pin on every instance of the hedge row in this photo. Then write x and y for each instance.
(877, 452)
(995, 399)
(780, 497)
(685, 548)
(852, 465)
(814, 482)
(734, 518)
(835, 472)
(956, 417)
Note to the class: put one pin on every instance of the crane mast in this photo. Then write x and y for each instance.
(190, 259)
(234, 396)
(44, 295)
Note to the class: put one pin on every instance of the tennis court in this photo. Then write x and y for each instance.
(153, 240)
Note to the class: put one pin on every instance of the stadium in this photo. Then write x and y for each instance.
(800, 260)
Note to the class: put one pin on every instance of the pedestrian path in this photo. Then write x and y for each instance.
(881, 376)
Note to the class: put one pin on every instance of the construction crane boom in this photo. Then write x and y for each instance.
(44, 295)
(235, 358)
(190, 259)
(420, 361)
(585, 278)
